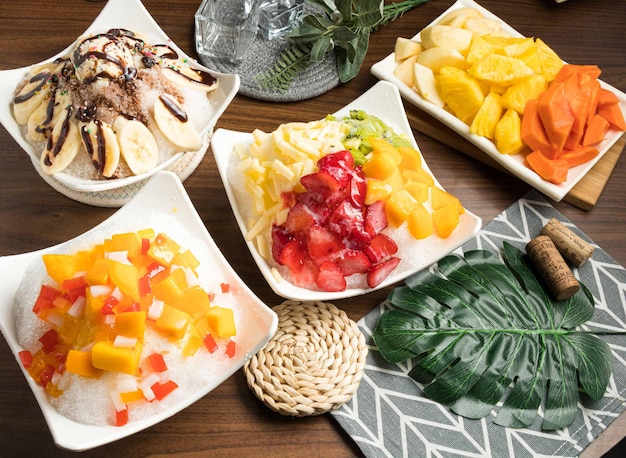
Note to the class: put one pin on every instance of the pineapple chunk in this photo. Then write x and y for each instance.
(500, 70)
(478, 49)
(461, 93)
(508, 137)
(488, 115)
(518, 95)
(550, 62)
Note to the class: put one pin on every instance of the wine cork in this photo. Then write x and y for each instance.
(570, 245)
(552, 267)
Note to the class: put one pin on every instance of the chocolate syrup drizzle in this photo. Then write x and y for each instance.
(55, 148)
(42, 78)
(174, 108)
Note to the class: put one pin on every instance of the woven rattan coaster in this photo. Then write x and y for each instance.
(314, 362)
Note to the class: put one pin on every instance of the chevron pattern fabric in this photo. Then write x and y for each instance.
(389, 416)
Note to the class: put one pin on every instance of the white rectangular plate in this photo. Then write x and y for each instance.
(513, 163)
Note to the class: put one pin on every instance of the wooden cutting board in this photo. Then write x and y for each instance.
(584, 195)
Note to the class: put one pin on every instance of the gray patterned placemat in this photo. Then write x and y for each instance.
(315, 80)
(389, 416)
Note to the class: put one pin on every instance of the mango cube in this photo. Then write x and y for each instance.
(420, 223)
(411, 158)
(171, 287)
(445, 219)
(63, 267)
(163, 249)
(194, 301)
(380, 165)
(105, 356)
(130, 324)
(127, 241)
(79, 363)
(98, 274)
(173, 322)
(418, 190)
(126, 277)
(221, 320)
(399, 206)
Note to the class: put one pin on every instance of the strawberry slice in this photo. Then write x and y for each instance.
(330, 278)
(339, 165)
(323, 244)
(375, 218)
(299, 218)
(353, 262)
(292, 255)
(320, 211)
(280, 237)
(322, 187)
(349, 222)
(381, 247)
(288, 198)
(378, 272)
(358, 189)
(306, 276)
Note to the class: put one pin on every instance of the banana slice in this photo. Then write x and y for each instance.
(63, 144)
(47, 114)
(137, 144)
(35, 126)
(31, 96)
(174, 123)
(191, 78)
(101, 144)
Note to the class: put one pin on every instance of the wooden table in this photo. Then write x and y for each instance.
(230, 421)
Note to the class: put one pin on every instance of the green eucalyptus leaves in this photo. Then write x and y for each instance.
(342, 27)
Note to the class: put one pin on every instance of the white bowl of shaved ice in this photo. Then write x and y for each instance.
(75, 424)
(117, 46)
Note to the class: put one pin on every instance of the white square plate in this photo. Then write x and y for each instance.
(513, 163)
(383, 101)
(163, 205)
(131, 15)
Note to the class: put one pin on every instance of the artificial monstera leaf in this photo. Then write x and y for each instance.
(480, 331)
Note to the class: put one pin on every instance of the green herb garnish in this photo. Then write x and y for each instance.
(478, 330)
(343, 27)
